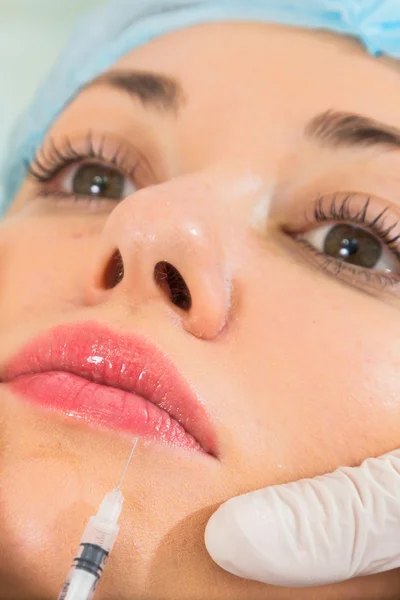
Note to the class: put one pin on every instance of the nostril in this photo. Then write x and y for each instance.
(172, 283)
(114, 272)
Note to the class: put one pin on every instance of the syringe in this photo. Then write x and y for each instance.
(96, 544)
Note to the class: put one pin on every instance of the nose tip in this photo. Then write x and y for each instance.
(164, 254)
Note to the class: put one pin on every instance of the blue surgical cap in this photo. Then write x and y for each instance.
(121, 25)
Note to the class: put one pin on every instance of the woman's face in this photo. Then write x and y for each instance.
(202, 201)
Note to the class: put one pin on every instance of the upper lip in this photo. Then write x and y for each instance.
(130, 363)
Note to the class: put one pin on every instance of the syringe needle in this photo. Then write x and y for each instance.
(127, 464)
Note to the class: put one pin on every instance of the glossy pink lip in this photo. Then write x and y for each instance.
(123, 383)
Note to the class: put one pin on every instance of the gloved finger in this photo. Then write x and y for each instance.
(314, 531)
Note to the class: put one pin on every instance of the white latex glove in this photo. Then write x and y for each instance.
(314, 531)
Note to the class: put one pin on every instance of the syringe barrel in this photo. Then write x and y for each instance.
(88, 565)
(79, 585)
(96, 544)
(100, 532)
(85, 573)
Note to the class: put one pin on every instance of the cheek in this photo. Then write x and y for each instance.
(319, 377)
(41, 266)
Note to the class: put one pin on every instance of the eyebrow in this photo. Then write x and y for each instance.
(154, 90)
(336, 129)
(333, 129)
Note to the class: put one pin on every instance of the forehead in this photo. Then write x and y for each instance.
(283, 70)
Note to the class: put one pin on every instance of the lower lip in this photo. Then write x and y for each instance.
(103, 406)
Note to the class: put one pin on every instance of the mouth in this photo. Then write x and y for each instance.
(121, 383)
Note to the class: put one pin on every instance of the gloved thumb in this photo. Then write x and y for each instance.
(314, 531)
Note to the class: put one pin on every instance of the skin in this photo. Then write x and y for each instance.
(297, 368)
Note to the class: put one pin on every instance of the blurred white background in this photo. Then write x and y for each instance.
(32, 33)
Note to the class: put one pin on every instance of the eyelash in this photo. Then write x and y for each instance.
(339, 211)
(48, 162)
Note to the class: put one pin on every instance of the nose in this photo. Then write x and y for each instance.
(165, 243)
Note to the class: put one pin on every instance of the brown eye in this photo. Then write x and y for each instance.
(97, 181)
(352, 245)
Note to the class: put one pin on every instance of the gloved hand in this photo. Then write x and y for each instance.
(314, 531)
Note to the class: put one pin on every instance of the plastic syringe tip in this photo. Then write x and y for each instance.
(111, 506)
